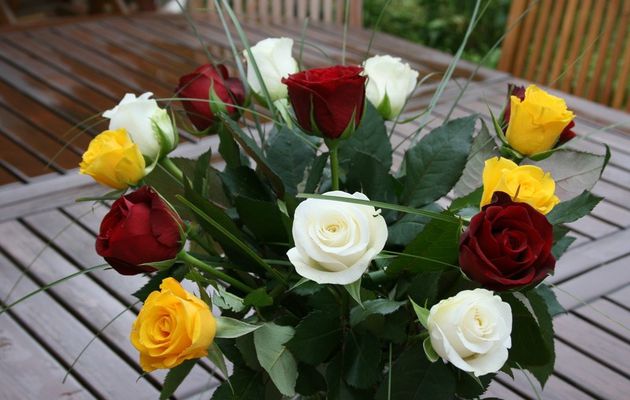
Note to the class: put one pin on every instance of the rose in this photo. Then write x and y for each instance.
(537, 121)
(172, 326)
(274, 61)
(112, 159)
(148, 125)
(390, 82)
(328, 101)
(525, 184)
(507, 245)
(335, 241)
(216, 92)
(471, 330)
(140, 228)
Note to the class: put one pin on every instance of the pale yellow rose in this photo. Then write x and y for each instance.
(173, 326)
(525, 184)
(536, 122)
(112, 159)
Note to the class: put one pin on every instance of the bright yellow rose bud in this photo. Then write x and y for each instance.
(537, 121)
(112, 159)
(173, 326)
(525, 184)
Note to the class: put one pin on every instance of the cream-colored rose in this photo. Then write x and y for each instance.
(390, 82)
(274, 61)
(148, 125)
(472, 331)
(335, 241)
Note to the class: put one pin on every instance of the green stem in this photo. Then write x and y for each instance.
(334, 167)
(172, 169)
(183, 256)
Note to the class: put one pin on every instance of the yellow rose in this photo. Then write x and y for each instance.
(112, 159)
(525, 184)
(536, 122)
(173, 326)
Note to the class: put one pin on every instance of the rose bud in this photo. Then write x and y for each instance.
(336, 241)
(471, 330)
(140, 228)
(216, 92)
(390, 82)
(536, 120)
(148, 125)
(274, 61)
(328, 101)
(114, 160)
(173, 326)
(507, 245)
(524, 184)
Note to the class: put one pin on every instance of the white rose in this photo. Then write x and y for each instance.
(335, 241)
(148, 125)
(472, 331)
(274, 61)
(390, 82)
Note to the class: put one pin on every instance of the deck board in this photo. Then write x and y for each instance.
(54, 77)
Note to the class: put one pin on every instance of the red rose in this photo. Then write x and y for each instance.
(507, 245)
(326, 99)
(197, 85)
(140, 228)
(519, 91)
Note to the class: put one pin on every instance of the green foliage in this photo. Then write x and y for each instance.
(441, 25)
(175, 377)
(243, 384)
(275, 358)
(574, 209)
(316, 336)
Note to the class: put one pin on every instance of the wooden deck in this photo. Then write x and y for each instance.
(54, 77)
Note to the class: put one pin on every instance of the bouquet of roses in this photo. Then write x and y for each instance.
(320, 270)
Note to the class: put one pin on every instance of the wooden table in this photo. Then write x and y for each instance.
(54, 77)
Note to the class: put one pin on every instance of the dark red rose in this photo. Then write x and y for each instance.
(507, 245)
(519, 91)
(328, 98)
(197, 86)
(140, 228)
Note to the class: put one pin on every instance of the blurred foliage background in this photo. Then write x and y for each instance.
(441, 24)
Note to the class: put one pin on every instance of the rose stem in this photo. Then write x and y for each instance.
(183, 256)
(334, 167)
(173, 169)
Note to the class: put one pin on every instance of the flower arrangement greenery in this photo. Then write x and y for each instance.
(320, 271)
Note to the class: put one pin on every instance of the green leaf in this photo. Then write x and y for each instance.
(370, 307)
(526, 335)
(416, 378)
(423, 288)
(370, 138)
(469, 201)
(429, 351)
(247, 351)
(561, 246)
(242, 385)
(275, 358)
(258, 298)
(228, 148)
(227, 301)
(555, 308)
(573, 171)
(200, 176)
(338, 389)
(470, 386)
(354, 290)
(230, 328)
(366, 174)
(434, 249)
(309, 381)
(175, 377)
(574, 209)
(316, 336)
(543, 317)
(178, 272)
(215, 355)
(363, 357)
(264, 219)
(483, 148)
(422, 313)
(409, 226)
(436, 163)
(315, 173)
(244, 182)
(289, 153)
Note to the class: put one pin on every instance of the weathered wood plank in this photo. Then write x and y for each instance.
(608, 316)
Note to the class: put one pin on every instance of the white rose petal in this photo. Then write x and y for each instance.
(336, 241)
(274, 61)
(472, 331)
(147, 124)
(389, 76)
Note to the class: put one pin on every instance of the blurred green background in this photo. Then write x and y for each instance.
(442, 24)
